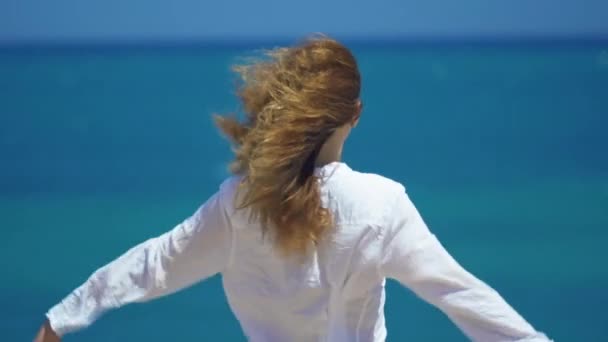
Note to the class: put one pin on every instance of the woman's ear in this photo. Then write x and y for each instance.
(359, 107)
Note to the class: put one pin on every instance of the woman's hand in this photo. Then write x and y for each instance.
(46, 334)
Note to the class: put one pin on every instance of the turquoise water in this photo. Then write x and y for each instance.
(502, 147)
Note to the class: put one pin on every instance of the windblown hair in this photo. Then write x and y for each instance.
(293, 100)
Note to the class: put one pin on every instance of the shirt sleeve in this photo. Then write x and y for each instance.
(414, 257)
(196, 249)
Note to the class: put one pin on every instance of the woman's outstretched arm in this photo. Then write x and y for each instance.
(415, 258)
(196, 249)
(46, 334)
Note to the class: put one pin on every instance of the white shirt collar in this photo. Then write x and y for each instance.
(325, 171)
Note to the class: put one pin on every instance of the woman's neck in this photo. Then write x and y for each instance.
(330, 152)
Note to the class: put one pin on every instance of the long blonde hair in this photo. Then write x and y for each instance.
(293, 101)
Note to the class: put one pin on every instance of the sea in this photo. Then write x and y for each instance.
(502, 145)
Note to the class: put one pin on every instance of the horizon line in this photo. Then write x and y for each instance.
(244, 42)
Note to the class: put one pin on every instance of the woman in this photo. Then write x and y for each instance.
(303, 242)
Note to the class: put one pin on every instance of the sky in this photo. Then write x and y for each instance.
(65, 20)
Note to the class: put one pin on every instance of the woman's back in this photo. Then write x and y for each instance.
(335, 292)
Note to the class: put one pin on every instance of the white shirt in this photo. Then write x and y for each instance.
(336, 294)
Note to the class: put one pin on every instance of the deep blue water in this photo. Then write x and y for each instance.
(503, 147)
